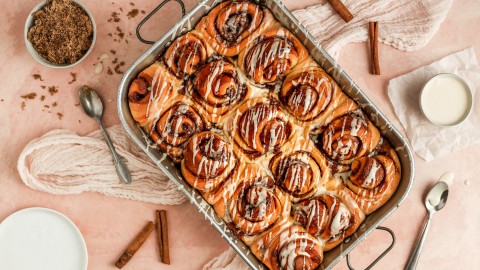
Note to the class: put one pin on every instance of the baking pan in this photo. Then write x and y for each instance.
(331, 67)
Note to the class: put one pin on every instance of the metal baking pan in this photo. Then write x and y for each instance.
(331, 67)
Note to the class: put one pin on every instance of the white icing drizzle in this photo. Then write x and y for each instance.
(340, 221)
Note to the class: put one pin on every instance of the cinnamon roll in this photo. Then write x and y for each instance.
(230, 26)
(149, 91)
(218, 88)
(299, 169)
(260, 126)
(256, 205)
(187, 54)
(328, 218)
(373, 180)
(310, 95)
(348, 138)
(208, 161)
(175, 126)
(271, 56)
(292, 248)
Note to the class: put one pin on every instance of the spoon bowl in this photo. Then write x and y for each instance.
(434, 201)
(91, 102)
(437, 197)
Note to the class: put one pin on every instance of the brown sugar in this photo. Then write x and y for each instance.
(114, 17)
(37, 77)
(132, 13)
(29, 96)
(74, 77)
(61, 33)
(52, 90)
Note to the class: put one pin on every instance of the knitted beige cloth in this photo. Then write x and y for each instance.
(61, 162)
(406, 25)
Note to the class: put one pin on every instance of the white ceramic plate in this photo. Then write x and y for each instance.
(40, 239)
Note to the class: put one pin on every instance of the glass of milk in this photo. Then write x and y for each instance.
(446, 100)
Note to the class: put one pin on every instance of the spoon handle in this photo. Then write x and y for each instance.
(412, 262)
(122, 170)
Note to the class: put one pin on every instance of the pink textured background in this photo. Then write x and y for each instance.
(109, 224)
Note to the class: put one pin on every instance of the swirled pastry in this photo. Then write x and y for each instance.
(328, 218)
(259, 127)
(175, 125)
(208, 161)
(150, 91)
(299, 169)
(256, 204)
(373, 180)
(291, 248)
(347, 138)
(218, 87)
(187, 54)
(230, 26)
(271, 56)
(311, 95)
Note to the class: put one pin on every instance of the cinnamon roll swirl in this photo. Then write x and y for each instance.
(256, 205)
(218, 88)
(187, 54)
(271, 56)
(299, 169)
(373, 180)
(230, 26)
(292, 248)
(310, 95)
(208, 161)
(175, 126)
(261, 126)
(328, 218)
(149, 91)
(348, 138)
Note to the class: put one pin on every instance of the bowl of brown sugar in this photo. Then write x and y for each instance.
(60, 33)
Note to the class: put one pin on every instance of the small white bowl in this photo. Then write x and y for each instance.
(37, 56)
(446, 100)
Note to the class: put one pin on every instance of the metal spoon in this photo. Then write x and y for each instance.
(93, 107)
(435, 200)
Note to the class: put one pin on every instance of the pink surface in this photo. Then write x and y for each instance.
(108, 224)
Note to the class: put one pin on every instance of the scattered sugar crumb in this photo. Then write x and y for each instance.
(29, 96)
(37, 77)
(52, 90)
(74, 77)
(132, 13)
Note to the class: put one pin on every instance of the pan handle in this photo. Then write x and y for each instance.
(394, 240)
(144, 20)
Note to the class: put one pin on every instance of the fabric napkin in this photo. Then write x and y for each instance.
(428, 140)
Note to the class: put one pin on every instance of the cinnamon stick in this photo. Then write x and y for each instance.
(162, 235)
(135, 245)
(341, 9)
(373, 36)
